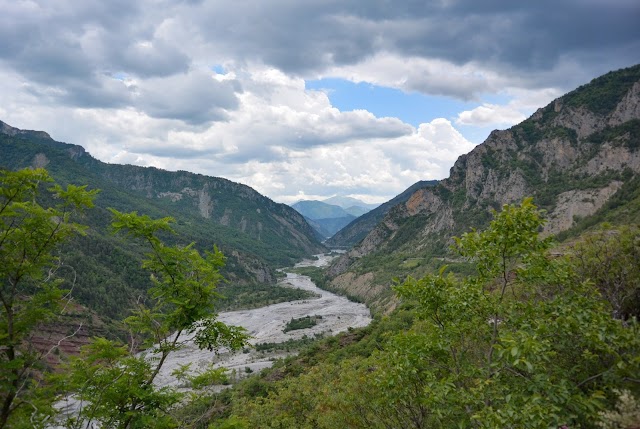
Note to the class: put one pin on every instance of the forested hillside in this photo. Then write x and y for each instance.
(256, 234)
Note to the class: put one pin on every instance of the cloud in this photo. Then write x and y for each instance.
(522, 103)
(490, 115)
(195, 97)
(415, 74)
(382, 168)
(133, 81)
(460, 48)
(281, 139)
(514, 38)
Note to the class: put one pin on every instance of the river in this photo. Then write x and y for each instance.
(266, 324)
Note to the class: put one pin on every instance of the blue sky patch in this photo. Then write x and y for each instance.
(413, 108)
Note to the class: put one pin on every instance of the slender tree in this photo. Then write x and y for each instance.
(30, 293)
(109, 382)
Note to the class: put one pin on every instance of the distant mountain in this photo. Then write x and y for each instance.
(578, 157)
(332, 225)
(331, 215)
(319, 210)
(349, 202)
(320, 231)
(357, 210)
(325, 219)
(355, 231)
(256, 234)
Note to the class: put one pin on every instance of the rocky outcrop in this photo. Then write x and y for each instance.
(11, 131)
(575, 204)
(572, 156)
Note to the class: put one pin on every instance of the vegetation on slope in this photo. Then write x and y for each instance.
(528, 341)
(575, 154)
(107, 268)
(109, 382)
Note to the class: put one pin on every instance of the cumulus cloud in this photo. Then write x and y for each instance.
(515, 111)
(281, 139)
(490, 115)
(382, 167)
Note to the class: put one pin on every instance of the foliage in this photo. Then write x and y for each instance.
(524, 342)
(36, 216)
(288, 345)
(626, 134)
(602, 94)
(301, 323)
(626, 414)
(115, 387)
(611, 259)
(244, 296)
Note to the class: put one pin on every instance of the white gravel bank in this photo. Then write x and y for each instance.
(265, 325)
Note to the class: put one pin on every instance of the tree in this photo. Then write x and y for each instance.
(524, 343)
(611, 259)
(34, 221)
(113, 385)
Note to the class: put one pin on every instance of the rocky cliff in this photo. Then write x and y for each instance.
(573, 156)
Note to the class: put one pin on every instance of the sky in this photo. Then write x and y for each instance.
(299, 99)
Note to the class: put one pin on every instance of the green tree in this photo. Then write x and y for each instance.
(114, 386)
(34, 220)
(524, 343)
(611, 259)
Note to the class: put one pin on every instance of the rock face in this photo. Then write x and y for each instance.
(572, 156)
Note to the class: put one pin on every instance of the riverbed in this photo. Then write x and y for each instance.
(266, 324)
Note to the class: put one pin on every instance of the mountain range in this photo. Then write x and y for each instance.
(579, 157)
(329, 216)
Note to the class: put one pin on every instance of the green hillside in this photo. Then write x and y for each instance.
(256, 234)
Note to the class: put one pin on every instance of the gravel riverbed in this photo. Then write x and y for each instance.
(266, 324)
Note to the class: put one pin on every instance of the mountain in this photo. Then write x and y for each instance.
(332, 225)
(325, 219)
(256, 234)
(578, 157)
(349, 203)
(360, 227)
(319, 210)
(331, 215)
